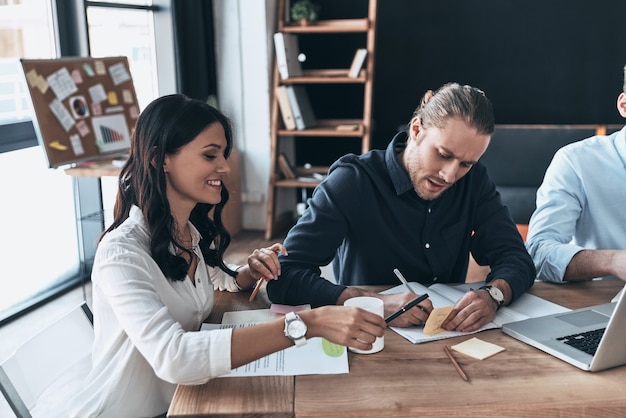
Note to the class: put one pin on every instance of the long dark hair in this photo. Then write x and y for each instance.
(166, 125)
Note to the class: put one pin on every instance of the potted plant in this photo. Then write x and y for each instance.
(305, 12)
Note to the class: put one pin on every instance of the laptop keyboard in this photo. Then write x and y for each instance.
(585, 341)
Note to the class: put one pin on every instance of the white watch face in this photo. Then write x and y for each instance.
(496, 294)
(296, 329)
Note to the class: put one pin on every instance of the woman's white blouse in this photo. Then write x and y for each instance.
(147, 337)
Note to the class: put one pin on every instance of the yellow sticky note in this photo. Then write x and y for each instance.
(435, 319)
(112, 97)
(32, 77)
(477, 348)
(57, 146)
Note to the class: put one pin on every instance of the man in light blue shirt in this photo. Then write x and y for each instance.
(578, 231)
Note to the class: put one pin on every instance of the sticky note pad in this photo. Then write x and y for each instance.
(435, 319)
(112, 96)
(477, 348)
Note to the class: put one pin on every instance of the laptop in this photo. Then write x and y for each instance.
(591, 339)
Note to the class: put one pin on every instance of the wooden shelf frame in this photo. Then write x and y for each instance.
(330, 128)
(327, 76)
(326, 26)
(358, 129)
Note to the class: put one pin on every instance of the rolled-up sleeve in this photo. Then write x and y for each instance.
(223, 281)
(560, 200)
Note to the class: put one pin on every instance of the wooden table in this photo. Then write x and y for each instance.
(418, 380)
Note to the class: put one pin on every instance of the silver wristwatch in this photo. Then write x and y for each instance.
(295, 329)
(495, 293)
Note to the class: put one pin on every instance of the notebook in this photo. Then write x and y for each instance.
(569, 336)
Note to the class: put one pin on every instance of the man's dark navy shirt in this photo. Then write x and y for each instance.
(367, 219)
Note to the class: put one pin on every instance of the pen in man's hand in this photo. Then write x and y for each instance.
(406, 308)
(406, 284)
(403, 280)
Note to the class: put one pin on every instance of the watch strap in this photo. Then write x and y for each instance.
(291, 317)
(488, 289)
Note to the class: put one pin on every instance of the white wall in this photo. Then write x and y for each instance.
(244, 50)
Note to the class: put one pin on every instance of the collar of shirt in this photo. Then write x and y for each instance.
(399, 176)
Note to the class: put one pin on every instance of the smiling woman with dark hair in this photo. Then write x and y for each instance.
(158, 264)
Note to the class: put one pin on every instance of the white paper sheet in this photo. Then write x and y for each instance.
(318, 356)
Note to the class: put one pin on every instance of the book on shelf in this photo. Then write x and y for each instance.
(301, 107)
(285, 108)
(443, 295)
(287, 50)
(357, 62)
(312, 178)
(347, 127)
(285, 167)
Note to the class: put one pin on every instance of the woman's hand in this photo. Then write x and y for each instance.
(263, 263)
(347, 326)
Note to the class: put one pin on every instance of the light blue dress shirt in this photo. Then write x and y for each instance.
(581, 204)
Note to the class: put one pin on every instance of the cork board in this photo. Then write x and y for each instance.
(85, 108)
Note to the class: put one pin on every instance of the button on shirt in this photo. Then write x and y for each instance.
(146, 328)
(581, 204)
(367, 219)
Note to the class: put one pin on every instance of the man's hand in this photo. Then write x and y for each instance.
(414, 316)
(475, 309)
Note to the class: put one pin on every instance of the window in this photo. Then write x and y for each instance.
(40, 245)
(39, 239)
(110, 29)
(111, 25)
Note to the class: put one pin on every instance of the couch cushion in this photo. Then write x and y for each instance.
(518, 156)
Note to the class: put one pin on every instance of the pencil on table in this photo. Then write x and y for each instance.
(455, 364)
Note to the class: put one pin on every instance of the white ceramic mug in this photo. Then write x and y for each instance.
(376, 306)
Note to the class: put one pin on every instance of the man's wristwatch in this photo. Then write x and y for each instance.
(495, 293)
(295, 329)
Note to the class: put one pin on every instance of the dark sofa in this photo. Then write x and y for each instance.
(518, 156)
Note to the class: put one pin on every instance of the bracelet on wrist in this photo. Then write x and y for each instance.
(244, 288)
(237, 285)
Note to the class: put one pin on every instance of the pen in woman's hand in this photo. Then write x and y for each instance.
(277, 249)
(259, 283)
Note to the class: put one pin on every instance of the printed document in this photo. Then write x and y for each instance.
(317, 356)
